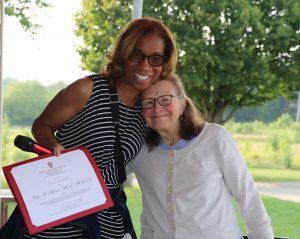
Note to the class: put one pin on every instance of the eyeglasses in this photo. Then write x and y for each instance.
(137, 56)
(162, 100)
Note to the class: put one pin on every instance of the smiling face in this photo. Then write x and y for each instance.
(142, 75)
(164, 119)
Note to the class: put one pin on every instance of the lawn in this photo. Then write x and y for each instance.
(285, 215)
(275, 175)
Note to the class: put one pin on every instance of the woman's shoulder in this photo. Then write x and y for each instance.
(99, 81)
(217, 131)
(82, 86)
(214, 127)
(89, 83)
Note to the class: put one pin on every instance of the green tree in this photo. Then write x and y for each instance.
(22, 10)
(232, 53)
(24, 101)
(54, 88)
(98, 23)
(235, 54)
(7, 81)
(266, 113)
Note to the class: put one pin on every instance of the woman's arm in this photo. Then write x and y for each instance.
(63, 107)
(240, 182)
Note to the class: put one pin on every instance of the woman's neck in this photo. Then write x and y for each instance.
(170, 138)
(127, 94)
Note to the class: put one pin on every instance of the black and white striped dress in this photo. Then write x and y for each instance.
(94, 128)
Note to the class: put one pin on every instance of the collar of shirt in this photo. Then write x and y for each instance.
(179, 145)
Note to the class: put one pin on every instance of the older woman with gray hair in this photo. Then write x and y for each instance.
(189, 172)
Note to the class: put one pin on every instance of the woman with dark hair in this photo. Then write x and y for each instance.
(84, 114)
(189, 171)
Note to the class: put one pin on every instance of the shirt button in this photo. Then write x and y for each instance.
(173, 226)
(172, 153)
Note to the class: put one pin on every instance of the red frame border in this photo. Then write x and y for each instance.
(19, 199)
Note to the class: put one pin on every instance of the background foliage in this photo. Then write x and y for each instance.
(22, 10)
(24, 101)
(267, 112)
(272, 145)
(232, 53)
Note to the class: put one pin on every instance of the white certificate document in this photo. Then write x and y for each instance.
(55, 190)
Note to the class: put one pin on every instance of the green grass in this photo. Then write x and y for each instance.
(275, 175)
(134, 202)
(285, 215)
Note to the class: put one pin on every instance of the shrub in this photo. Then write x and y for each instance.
(268, 145)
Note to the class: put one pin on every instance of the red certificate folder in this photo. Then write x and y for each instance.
(53, 190)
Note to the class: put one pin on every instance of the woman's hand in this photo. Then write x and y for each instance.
(57, 149)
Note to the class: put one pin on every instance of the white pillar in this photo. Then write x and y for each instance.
(298, 109)
(1, 97)
(137, 11)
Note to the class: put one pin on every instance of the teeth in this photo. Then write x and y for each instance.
(142, 77)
